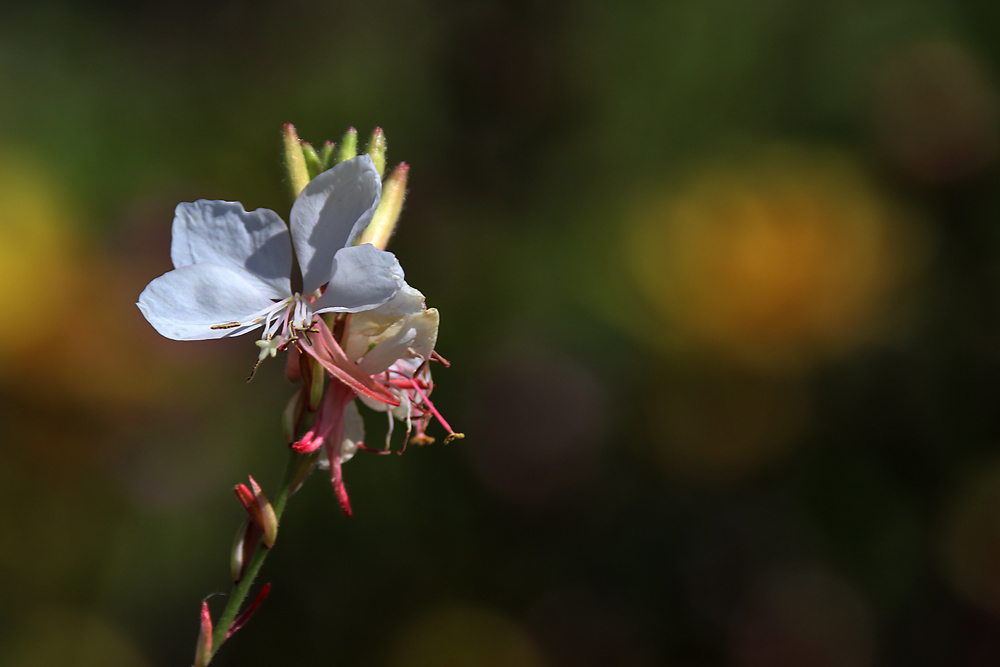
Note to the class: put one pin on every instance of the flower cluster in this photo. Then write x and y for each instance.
(341, 307)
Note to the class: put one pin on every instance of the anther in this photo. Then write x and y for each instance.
(228, 325)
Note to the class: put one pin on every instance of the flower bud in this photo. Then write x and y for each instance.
(295, 161)
(203, 651)
(376, 149)
(348, 145)
(244, 547)
(311, 158)
(391, 205)
(326, 155)
(259, 509)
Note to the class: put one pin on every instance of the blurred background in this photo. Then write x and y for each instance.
(719, 279)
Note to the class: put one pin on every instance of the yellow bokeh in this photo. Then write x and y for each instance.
(773, 262)
(36, 249)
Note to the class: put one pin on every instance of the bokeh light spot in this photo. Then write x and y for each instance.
(775, 262)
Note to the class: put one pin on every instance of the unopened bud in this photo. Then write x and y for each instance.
(311, 158)
(348, 145)
(383, 223)
(203, 651)
(295, 162)
(326, 155)
(376, 149)
(259, 510)
(244, 547)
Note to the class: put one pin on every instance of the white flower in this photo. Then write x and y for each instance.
(401, 328)
(233, 269)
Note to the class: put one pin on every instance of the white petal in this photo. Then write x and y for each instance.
(330, 214)
(363, 278)
(221, 232)
(365, 326)
(185, 303)
(412, 337)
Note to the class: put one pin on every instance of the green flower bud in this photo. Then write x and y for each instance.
(312, 159)
(391, 205)
(326, 155)
(348, 145)
(376, 148)
(295, 162)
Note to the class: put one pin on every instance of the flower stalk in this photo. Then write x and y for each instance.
(242, 588)
(322, 288)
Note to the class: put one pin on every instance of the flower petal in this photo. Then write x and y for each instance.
(363, 278)
(330, 214)
(412, 338)
(363, 328)
(185, 303)
(220, 232)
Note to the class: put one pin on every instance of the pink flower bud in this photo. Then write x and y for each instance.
(203, 652)
(259, 509)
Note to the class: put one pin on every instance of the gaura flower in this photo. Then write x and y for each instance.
(394, 342)
(234, 269)
(385, 357)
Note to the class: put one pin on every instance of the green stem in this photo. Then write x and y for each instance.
(240, 590)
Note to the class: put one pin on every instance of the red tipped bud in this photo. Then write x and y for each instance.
(326, 155)
(390, 206)
(295, 161)
(377, 147)
(311, 158)
(259, 510)
(203, 652)
(348, 145)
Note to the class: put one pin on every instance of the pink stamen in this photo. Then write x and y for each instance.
(430, 405)
(332, 357)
